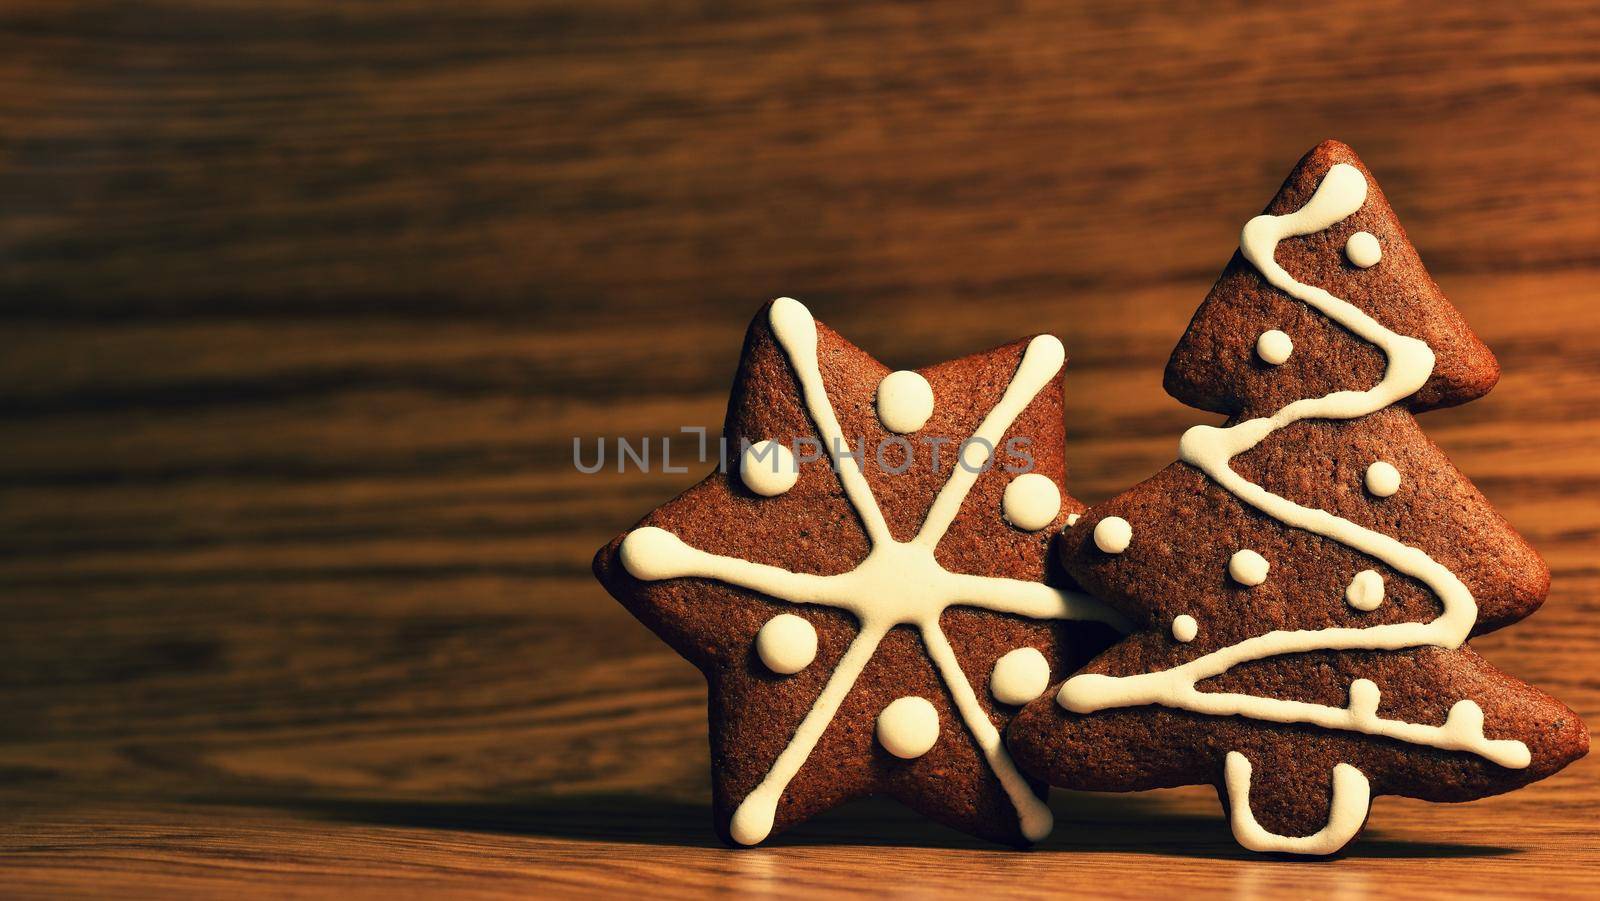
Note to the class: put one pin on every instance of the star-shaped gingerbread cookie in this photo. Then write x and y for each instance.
(868, 587)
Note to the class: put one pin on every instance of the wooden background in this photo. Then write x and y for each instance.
(302, 304)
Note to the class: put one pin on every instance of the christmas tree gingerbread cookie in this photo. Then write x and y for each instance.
(868, 588)
(1303, 581)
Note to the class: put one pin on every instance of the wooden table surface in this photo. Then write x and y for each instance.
(303, 304)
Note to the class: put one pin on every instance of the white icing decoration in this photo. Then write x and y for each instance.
(909, 727)
(1072, 519)
(1184, 628)
(1113, 534)
(1020, 676)
(786, 644)
(897, 583)
(1352, 796)
(1031, 501)
(1274, 346)
(1383, 480)
(1211, 449)
(1248, 567)
(1363, 250)
(1365, 591)
(768, 468)
(905, 401)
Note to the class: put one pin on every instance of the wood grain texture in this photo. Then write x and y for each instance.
(303, 305)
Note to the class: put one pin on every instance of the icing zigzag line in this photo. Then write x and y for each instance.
(1211, 449)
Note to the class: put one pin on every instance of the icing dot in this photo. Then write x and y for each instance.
(1364, 697)
(1363, 250)
(1072, 518)
(908, 727)
(1184, 628)
(768, 468)
(786, 644)
(1248, 567)
(1365, 591)
(1383, 479)
(1019, 677)
(1274, 346)
(905, 401)
(1031, 501)
(1112, 534)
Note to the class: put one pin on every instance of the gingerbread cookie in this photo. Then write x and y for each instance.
(869, 588)
(1304, 580)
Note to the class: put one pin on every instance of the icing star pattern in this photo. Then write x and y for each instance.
(898, 583)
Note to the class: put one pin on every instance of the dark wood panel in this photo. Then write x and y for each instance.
(207, 158)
